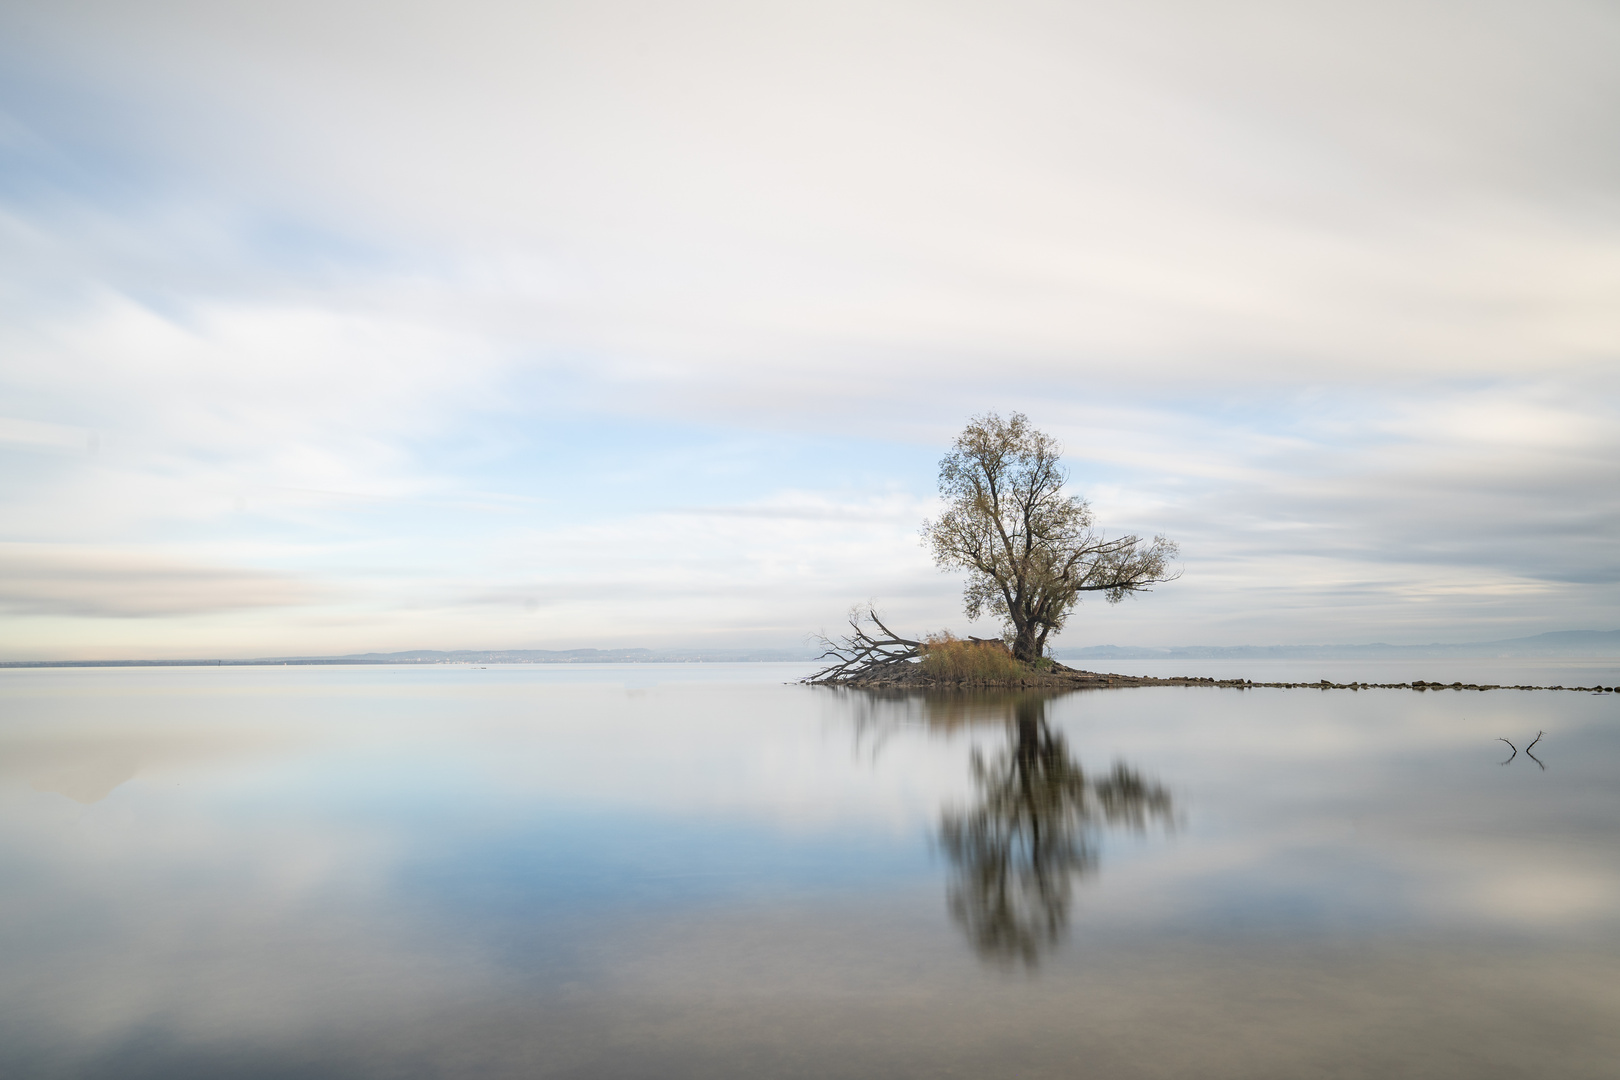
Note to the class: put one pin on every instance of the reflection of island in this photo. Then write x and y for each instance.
(1033, 826)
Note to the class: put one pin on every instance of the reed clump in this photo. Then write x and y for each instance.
(947, 657)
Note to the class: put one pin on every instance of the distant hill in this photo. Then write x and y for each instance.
(580, 656)
(1558, 643)
(463, 656)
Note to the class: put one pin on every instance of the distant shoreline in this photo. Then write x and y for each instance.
(1065, 678)
(340, 661)
(1552, 646)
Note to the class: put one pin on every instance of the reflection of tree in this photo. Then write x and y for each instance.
(881, 713)
(1037, 817)
(1032, 829)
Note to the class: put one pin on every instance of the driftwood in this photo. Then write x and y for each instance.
(1527, 753)
(863, 656)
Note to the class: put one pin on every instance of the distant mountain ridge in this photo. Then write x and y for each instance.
(1556, 643)
(582, 656)
(464, 656)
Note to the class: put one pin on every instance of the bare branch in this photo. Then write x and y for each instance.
(861, 653)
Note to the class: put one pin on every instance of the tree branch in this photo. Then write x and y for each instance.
(861, 653)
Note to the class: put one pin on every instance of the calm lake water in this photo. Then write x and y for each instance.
(700, 871)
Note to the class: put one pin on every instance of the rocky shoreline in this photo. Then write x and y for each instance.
(910, 676)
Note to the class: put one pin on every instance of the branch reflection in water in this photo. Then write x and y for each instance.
(1035, 822)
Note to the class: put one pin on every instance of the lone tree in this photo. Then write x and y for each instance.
(1029, 550)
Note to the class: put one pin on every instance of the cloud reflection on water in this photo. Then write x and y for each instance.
(450, 872)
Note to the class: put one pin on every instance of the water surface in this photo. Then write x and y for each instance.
(703, 870)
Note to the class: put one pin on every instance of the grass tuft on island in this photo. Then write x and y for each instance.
(947, 658)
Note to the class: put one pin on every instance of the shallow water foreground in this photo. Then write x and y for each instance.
(700, 871)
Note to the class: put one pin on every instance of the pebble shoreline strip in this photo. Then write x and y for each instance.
(1324, 684)
(1091, 680)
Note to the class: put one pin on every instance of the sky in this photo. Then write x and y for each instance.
(355, 326)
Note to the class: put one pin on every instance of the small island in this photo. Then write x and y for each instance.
(1030, 553)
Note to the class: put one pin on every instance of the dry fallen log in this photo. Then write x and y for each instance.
(862, 656)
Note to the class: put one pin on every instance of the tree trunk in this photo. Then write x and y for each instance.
(1026, 644)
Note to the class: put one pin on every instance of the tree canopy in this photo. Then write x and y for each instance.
(1029, 549)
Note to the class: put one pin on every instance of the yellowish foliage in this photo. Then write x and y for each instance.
(946, 656)
(1030, 551)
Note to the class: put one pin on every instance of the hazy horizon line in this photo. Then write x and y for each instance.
(1554, 641)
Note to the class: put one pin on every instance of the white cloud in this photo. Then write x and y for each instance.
(39, 436)
(60, 579)
(1326, 294)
